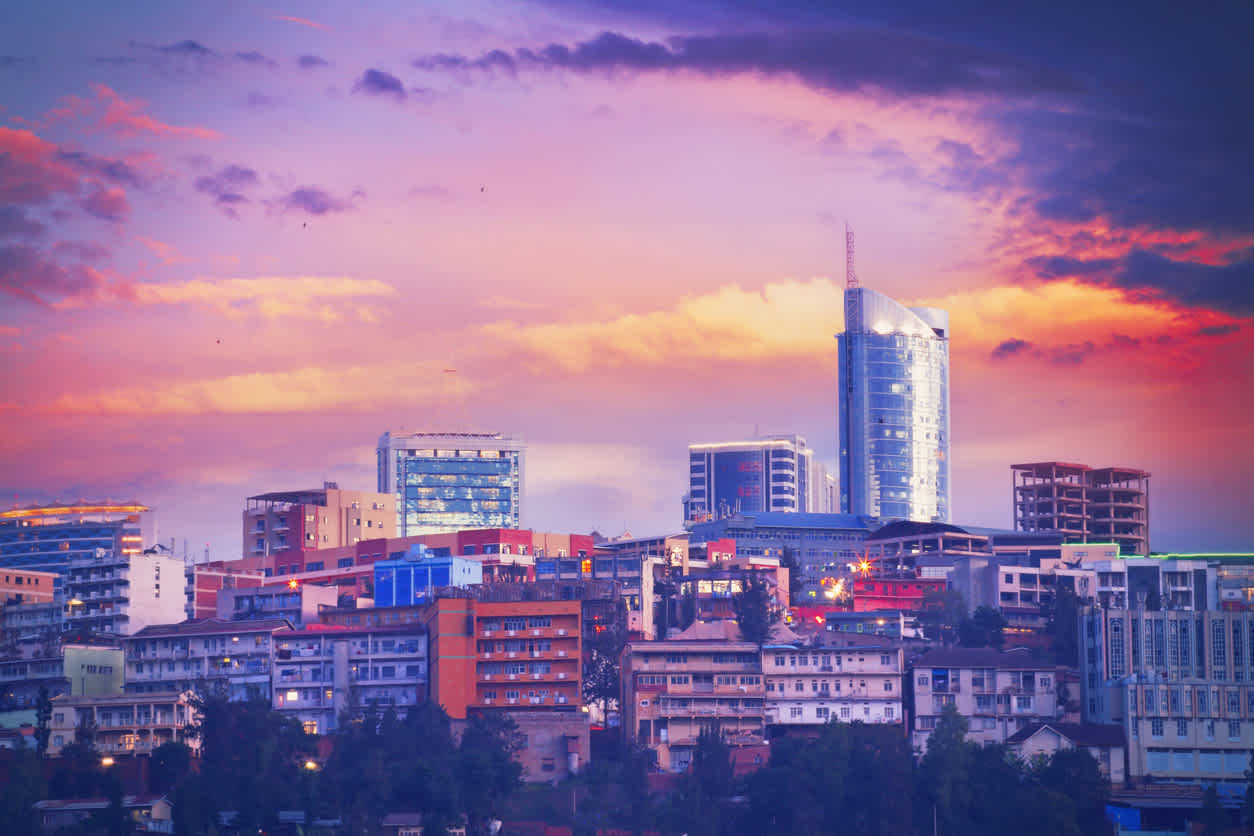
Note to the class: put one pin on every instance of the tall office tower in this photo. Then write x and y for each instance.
(1086, 504)
(452, 481)
(894, 409)
(48, 537)
(743, 477)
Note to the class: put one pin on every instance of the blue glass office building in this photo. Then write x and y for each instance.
(744, 477)
(894, 409)
(446, 482)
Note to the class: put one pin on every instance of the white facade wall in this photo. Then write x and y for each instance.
(810, 686)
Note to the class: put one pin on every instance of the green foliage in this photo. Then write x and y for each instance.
(700, 806)
(601, 681)
(796, 583)
(486, 770)
(169, 764)
(943, 611)
(1213, 818)
(1064, 626)
(43, 717)
(25, 786)
(983, 629)
(753, 610)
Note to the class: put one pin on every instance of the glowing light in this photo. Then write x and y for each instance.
(311, 765)
(292, 584)
(53, 510)
(106, 761)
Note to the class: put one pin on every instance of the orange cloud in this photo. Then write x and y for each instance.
(301, 21)
(301, 297)
(310, 389)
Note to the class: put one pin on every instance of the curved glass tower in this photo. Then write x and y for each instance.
(894, 409)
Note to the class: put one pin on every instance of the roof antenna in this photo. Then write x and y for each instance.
(851, 277)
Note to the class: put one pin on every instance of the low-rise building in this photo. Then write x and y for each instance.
(126, 723)
(807, 686)
(121, 593)
(998, 693)
(316, 519)
(233, 656)
(297, 602)
(417, 574)
(76, 670)
(322, 671)
(701, 679)
(27, 586)
(1106, 743)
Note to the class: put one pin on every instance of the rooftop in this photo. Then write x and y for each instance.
(1082, 734)
(81, 507)
(794, 519)
(981, 657)
(201, 626)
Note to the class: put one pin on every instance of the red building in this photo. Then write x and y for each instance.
(906, 594)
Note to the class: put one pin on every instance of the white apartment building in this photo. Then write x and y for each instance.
(998, 693)
(123, 593)
(127, 723)
(321, 671)
(1180, 683)
(1153, 582)
(236, 656)
(815, 685)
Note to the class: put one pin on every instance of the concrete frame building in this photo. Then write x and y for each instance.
(322, 671)
(998, 693)
(122, 593)
(674, 689)
(808, 686)
(445, 482)
(772, 473)
(235, 657)
(127, 723)
(1085, 504)
(894, 409)
(1181, 685)
(321, 518)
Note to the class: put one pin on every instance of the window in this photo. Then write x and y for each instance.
(794, 713)
(885, 660)
(1234, 702)
(888, 686)
(923, 679)
(888, 712)
(1234, 729)
(1182, 728)
(822, 713)
(1156, 727)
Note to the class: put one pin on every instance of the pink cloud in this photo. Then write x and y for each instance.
(301, 22)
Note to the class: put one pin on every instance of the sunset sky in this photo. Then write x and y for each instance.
(238, 241)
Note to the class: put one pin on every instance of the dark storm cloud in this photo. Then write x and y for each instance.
(1010, 348)
(226, 187)
(380, 83)
(1218, 330)
(842, 60)
(115, 171)
(257, 59)
(189, 48)
(15, 223)
(314, 201)
(1066, 267)
(312, 62)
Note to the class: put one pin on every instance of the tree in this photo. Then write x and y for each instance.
(43, 719)
(796, 583)
(601, 680)
(943, 611)
(699, 806)
(170, 762)
(753, 610)
(1074, 774)
(24, 787)
(486, 770)
(1214, 819)
(1064, 626)
(983, 629)
(945, 774)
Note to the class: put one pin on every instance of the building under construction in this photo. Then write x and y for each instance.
(1087, 504)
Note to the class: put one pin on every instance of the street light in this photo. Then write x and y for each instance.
(106, 761)
(311, 765)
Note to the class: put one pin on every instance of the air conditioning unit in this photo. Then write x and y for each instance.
(535, 632)
(512, 654)
(561, 632)
(513, 676)
(561, 675)
(561, 653)
(512, 701)
(487, 676)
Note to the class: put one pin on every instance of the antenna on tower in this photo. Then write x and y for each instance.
(851, 277)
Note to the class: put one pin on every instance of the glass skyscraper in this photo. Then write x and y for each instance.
(452, 481)
(894, 409)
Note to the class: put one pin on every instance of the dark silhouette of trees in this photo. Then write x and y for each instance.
(43, 719)
(601, 681)
(983, 629)
(753, 610)
(943, 611)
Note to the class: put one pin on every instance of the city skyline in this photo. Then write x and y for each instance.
(236, 245)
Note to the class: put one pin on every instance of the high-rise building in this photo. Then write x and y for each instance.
(748, 477)
(1086, 504)
(445, 482)
(47, 537)
(894, 409)
(321, 518)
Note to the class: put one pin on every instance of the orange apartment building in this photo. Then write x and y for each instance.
(23, 586)
(524, 657)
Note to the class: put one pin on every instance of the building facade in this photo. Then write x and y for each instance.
(1180, 683)
(1086, 504)
(92, 670)
(997, 693)
(25, 586)
(234, 658)
(894, 409)
(444, 482)
(741, 477)
(417, 575)
(48, 537)
(130, 723)
(322, 671)
(675, 689)
(122, 593)
(808, 686)
(316, 519)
